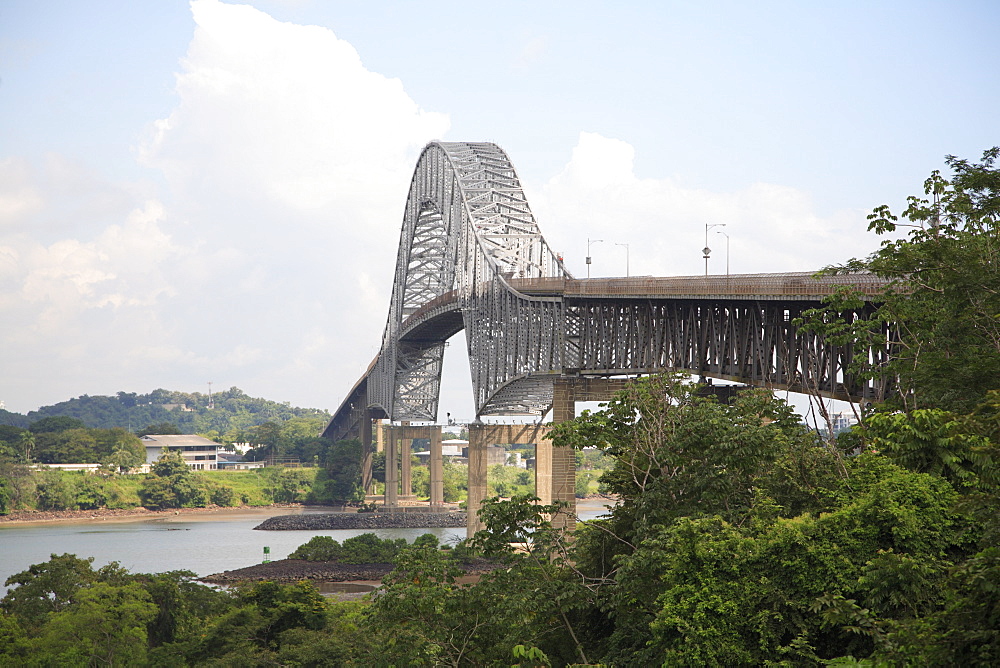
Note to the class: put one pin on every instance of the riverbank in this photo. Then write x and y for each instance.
(372, 521)
(206, 514)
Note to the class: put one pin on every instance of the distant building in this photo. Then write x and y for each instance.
(451, 450)
(88, 468)
(842, 421)
(200, 454)
(234, 461)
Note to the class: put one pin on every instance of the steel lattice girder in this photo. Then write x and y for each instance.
(752, 342)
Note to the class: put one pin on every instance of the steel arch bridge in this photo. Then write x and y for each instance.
(471, 256)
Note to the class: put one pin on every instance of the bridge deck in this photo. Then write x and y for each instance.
(784, 286)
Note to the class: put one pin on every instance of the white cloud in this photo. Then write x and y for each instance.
(772, 228)
(531, 51)
(18, 196)
(265, 262)
(286, 114)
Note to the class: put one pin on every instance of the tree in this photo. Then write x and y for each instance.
(942, 300)
(160, 428)
(105, 625)
(67, 446)
(171, 484)
(27, 444)
(340, 480)
(55, 424)
(47, 587)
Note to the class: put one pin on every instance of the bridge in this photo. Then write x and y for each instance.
(471, 256)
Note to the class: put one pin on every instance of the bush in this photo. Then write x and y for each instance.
(319, 548)
(90, 494)
(222, 495)
(370, 549)
(54, 493)
(426, 540)
(364, 549)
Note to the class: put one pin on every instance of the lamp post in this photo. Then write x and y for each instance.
(626, 257)
(727, 249)
(706, 250)
(589, 242)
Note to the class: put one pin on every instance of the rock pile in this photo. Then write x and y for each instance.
(294, 570)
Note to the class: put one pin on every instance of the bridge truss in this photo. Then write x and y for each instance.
(471, 256)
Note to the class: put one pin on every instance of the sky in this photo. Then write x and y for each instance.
(213, 192)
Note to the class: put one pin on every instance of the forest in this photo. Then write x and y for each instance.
(740, 537)
(229, 414)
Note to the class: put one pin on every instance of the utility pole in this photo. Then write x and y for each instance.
(706, 250)
(727, 249)
(589, 242)
(626, 257)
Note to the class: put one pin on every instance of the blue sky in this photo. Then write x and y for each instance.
(213, 192)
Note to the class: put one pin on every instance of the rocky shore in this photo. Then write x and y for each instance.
(327, 521)
(32, 516)
(294, 570)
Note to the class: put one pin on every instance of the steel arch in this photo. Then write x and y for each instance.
(467, 228)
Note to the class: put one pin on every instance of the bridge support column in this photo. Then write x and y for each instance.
(366, 452)
(563, 459)
(481, 437)
(566, 392)
(391, 468)
(477, 477)
(543, 471)
(436, 470)
(405, 466)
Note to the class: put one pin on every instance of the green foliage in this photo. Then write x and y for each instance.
(54, 492)
(47, 587)
(455, 482)
(293, 485)
(339, 482)
(55, 424)
(936, 441)
(942, 303)
(233, 414)
(369, 549)
(159, 428)
(319, 548)
(364, 549)
(172, 484)
(106, 625)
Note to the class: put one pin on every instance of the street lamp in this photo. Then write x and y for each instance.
(727, 249)
(706, 250)
(589, 242)
(626, 257)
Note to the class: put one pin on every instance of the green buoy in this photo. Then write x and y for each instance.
(267, 555)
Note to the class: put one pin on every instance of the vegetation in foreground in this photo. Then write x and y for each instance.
(741, 538)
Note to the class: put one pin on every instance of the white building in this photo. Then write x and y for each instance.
(200, 454)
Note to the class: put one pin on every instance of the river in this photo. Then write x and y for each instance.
(204, 544)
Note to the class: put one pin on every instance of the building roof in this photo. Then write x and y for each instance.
(176, 440)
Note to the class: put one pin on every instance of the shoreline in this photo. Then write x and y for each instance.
(23, 518)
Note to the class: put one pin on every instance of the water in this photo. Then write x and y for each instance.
(199, 543)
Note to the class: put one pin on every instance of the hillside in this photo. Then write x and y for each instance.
(232, 411)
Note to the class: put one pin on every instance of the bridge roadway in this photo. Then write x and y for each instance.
(440, 318)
